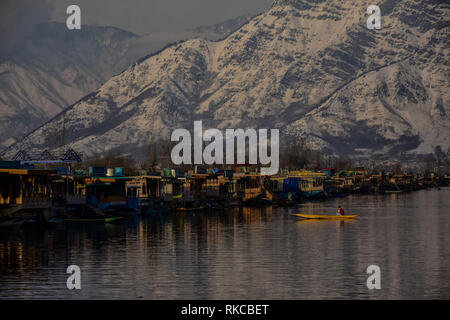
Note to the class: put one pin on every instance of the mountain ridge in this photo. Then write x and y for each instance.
(54, 67)
(316, 72)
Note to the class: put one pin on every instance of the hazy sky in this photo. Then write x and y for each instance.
(146, 16)
(18, 17)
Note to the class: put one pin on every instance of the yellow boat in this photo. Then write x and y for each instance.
(325, 217)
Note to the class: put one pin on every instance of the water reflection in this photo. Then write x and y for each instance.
(249, 253)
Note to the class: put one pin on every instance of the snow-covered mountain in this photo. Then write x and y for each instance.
(55, 67)
(309, 67)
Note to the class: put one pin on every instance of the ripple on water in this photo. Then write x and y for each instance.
(249, 254)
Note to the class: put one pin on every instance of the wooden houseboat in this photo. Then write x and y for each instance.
(25, 190)
(311, 183)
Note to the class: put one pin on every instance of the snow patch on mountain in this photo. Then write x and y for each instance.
(310, 68)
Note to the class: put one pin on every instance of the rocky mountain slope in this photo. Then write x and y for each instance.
(308, 67)
(55, 67)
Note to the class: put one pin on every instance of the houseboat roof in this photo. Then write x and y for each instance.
(27, 171)
(145, 177)
(306, 173)
(200, 175)
(108, 179)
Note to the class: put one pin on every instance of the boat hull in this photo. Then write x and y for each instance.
(183, 209)
(96, 220)
(325, 217)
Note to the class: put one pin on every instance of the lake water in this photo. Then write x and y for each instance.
(250, 253)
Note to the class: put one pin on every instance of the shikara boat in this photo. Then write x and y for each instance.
(190, 209)
(97, 220)
(12, 223)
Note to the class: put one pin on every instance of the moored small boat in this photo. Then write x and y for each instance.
(12, 223)
(190, 209)
(97, 220)
(56, 220)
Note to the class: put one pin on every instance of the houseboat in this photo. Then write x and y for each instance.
(25, 191)
(107, 192)
(311, 183)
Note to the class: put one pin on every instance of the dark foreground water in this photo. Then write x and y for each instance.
(243, 254)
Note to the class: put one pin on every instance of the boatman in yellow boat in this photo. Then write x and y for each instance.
(340, 211)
